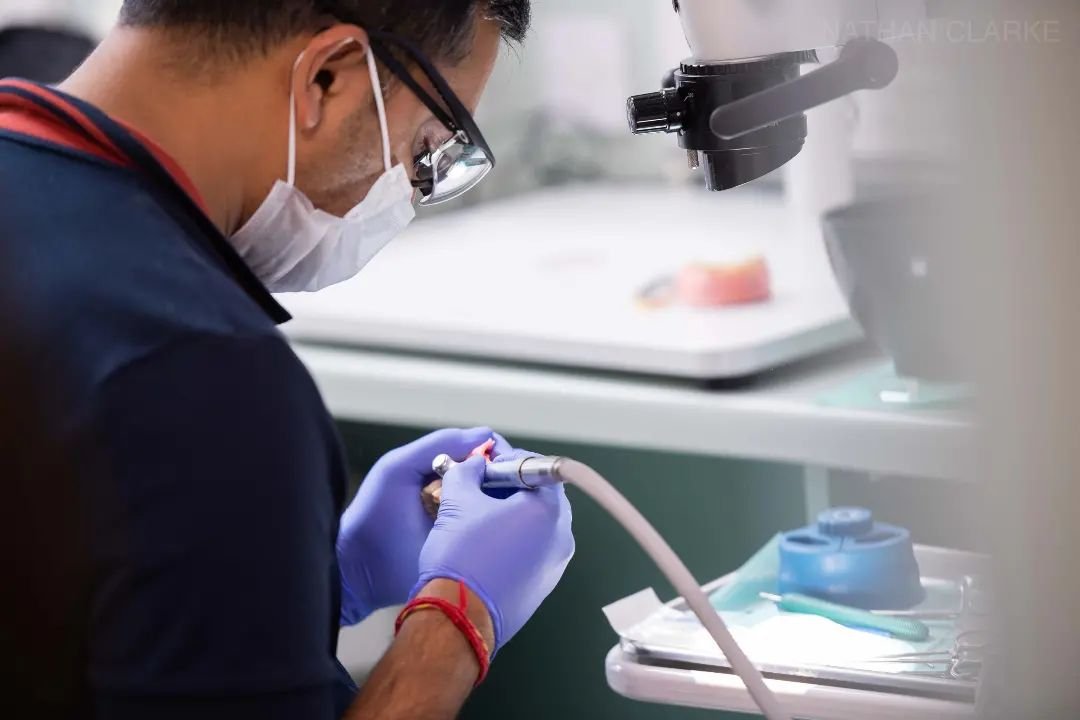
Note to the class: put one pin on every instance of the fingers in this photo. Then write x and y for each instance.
(457, 443)
(554, 498)
(566, 515)
(502, 446)
(515, 454)
(464, 480)
(547, 502)
(503, 450)
(415, 458)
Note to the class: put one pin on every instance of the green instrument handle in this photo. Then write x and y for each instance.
(900, 628)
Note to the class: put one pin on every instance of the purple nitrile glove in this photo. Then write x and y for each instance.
(511, 552)
(385, 526)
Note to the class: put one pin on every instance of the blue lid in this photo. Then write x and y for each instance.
(848, 558)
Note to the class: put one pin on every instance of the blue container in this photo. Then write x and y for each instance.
(849, 559)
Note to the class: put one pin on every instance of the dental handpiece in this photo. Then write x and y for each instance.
(527, 473)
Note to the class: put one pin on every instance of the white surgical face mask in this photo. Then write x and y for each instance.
(292, 246)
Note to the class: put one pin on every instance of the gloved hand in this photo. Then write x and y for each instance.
(511, 552)
(385, 526)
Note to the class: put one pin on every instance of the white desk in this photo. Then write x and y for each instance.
(553, 277)
(779, 419)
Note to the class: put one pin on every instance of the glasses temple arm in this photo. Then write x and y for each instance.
(402, 73)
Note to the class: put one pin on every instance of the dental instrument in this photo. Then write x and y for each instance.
(964, 661)
(899, 628)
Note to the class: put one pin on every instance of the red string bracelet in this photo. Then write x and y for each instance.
(456, 614)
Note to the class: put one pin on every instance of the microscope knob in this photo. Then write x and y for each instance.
(655, 112)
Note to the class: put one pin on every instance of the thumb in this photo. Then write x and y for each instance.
(463, 481)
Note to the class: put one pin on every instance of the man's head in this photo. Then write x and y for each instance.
(320, 47)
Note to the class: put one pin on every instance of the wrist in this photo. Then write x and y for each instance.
(475, 609)
(432, 651)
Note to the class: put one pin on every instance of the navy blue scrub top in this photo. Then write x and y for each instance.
(214, 476)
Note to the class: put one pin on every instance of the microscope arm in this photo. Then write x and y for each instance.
(864, 64)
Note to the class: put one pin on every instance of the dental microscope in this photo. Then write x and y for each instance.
(738, 104)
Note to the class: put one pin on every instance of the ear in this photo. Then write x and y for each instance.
(322, 68)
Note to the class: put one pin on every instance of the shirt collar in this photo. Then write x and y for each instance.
(50, 116)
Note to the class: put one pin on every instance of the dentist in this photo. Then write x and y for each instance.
(209, 153)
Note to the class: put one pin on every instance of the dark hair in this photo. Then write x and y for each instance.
(441, 28)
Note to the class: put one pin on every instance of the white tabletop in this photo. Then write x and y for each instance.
(553, 277)
(778, 419)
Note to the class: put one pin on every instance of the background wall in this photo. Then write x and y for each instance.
(93, 15)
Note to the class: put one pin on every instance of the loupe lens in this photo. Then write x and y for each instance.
(456, 168)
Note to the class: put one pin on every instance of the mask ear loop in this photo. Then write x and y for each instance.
(291, 174)
(380, 104)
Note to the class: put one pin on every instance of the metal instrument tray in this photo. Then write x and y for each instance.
(937, 565)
